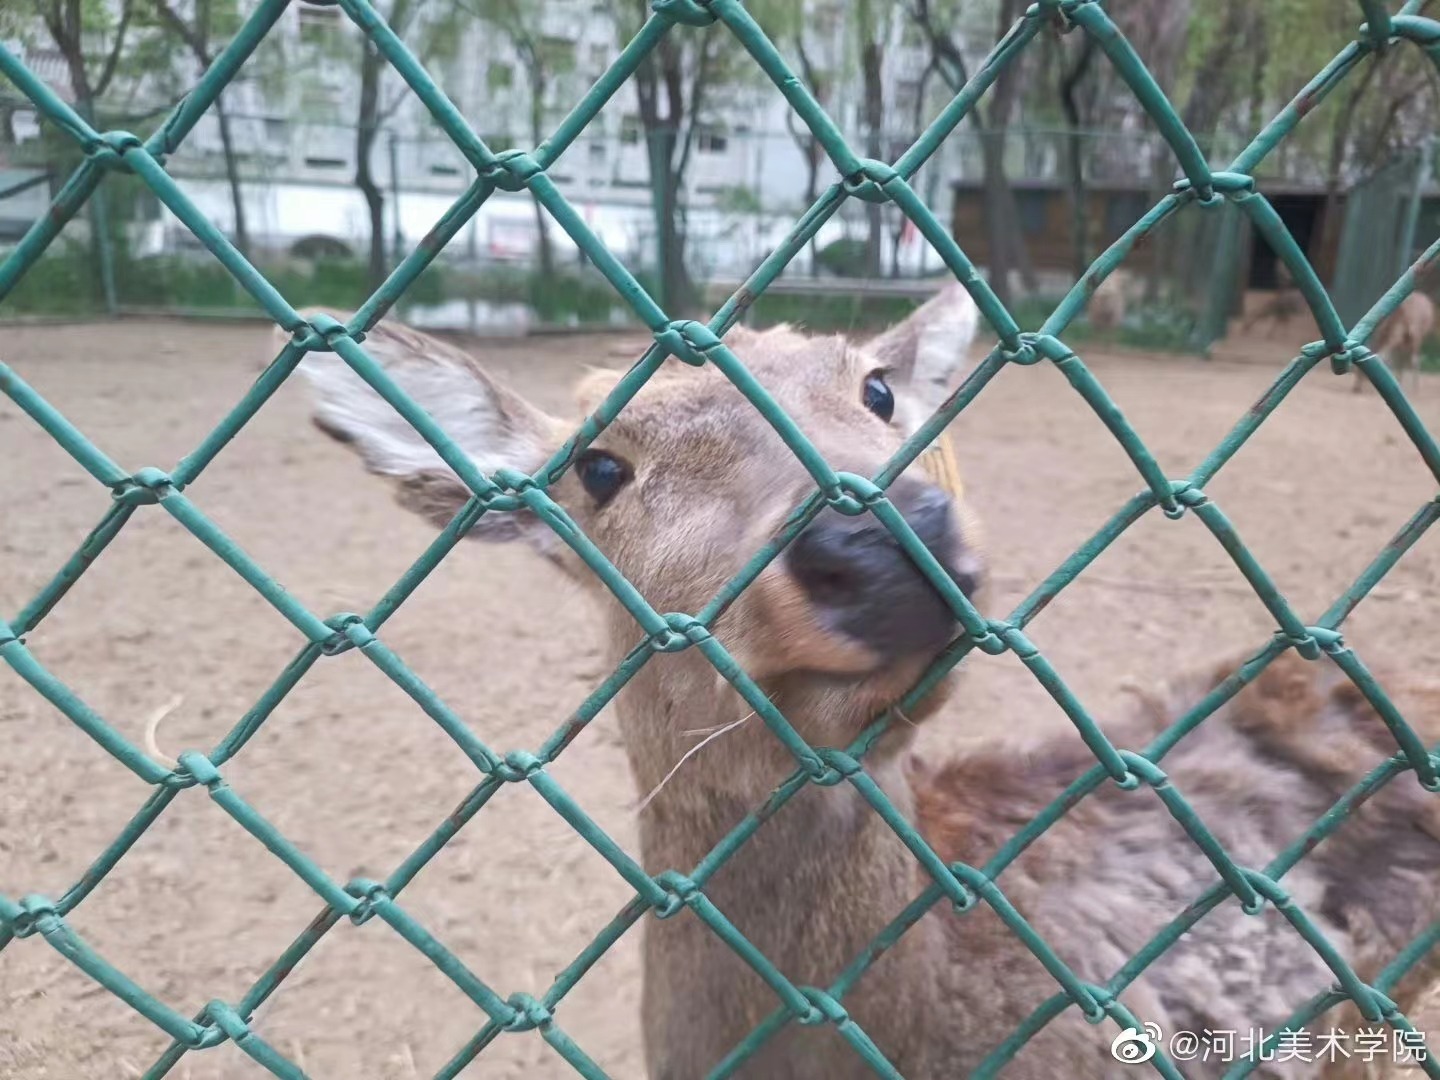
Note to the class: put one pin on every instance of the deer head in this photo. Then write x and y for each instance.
(690, 480)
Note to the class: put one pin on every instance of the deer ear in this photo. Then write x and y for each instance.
(495, 427)
(928, 352)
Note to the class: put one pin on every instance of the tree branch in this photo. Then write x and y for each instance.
(190, 35)
(112, 62)
(697, 96)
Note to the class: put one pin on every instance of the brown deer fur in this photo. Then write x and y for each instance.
(1400, 337)
(1108, 305)
(712, 482)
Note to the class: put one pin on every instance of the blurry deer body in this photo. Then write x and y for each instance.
(1111, 300)
(679, 491)
(1399, 338)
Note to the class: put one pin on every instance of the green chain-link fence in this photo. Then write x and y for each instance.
(1378, 239)
(1201, 191)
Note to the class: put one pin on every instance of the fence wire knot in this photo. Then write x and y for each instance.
(688, 340)
(697, 344)
(680, 891)
(518, 765)
(513, 170)
(235, 1026)
(839, 766)
(529, 1013)
(1355, 355)
(319, 334)
(681, 631)
(995, 640)
(368, 896)
(824, 1009)
(35, 913)
(1026, 353)
(868, 183)
(852, 494)
(689, 12)
(110, 149)
(348, 634)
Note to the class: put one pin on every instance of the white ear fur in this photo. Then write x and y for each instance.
(929, 351)
(494, 427)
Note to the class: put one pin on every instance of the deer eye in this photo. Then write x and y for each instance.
(602, 475)
(877, 396)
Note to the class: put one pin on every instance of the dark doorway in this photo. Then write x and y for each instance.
(1301, 214)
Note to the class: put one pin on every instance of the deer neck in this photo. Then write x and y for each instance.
(811, 888)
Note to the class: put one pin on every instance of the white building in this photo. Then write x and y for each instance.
(745, 186)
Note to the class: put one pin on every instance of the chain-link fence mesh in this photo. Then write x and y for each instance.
(1378, 239)
(1201, 191)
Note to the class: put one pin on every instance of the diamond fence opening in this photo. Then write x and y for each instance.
(1201, 190)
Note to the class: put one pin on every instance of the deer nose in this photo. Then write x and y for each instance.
(863, 585)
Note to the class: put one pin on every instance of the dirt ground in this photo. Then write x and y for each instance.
(356, 775)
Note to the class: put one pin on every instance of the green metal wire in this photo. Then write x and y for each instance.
(1201, 189)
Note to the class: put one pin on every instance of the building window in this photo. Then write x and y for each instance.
(316, 23)
(1032, 207)
(500, 76)
(630, 131)
(710, 141)
(558, 53)
(597, 151)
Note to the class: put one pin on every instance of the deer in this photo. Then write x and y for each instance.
(1400, 337)
(1284, 303)
(681, 488)
(1111, 298)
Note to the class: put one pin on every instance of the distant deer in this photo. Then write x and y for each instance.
(679, 491)
(1400, 337)
(1285, 304)
(1107, 307)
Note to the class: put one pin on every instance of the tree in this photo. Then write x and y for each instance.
(1006, 242)
(72, 25)
(519, 20)
(372, 113)
(208, 20)
(872, 37)
(821, 83)
(431, 32)
(1078, 61)
(670, 87)
(674, 85)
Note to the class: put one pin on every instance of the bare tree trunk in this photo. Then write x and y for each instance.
(232, 176)
(65, 23)
(668, 155)
(679, 289)
(367, 132)
(1330, 217)
(1214, 87)
(872, 58)
(805, 140)
(372, 115)
(535, 66)
(1158, 32)
(196, 38)
(1070, 80)
(1006, 243)
(1004, 96)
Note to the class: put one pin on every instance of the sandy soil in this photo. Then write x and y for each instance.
(353, 772)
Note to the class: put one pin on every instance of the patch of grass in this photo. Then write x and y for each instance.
(835, 313)
(1160, 327)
